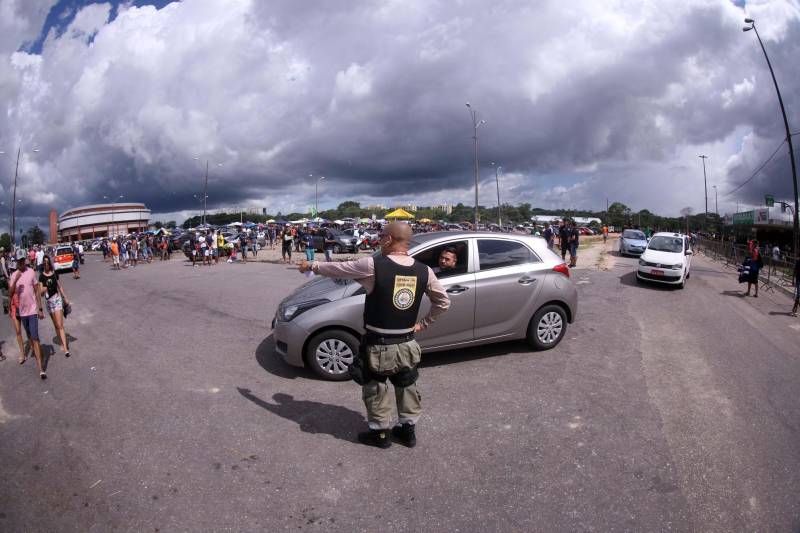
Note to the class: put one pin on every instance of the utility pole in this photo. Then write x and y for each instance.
(205, 194)
(796, 243)
(705, 187)
(497, 181)
(475, 125)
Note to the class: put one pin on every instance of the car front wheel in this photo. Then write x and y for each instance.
(330, 353)
(547, 327)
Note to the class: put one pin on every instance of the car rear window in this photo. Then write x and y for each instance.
(63, 251)
(496, 253)
(633, 234)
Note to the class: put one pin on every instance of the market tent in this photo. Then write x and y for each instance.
(271, 221)
(232, 224)
(425, 221)
(399, 213)
(364, 220)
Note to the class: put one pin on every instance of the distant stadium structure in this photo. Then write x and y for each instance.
(102, 220)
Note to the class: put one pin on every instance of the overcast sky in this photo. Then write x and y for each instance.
(583, 100)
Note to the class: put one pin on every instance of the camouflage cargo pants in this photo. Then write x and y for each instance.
(389, 360)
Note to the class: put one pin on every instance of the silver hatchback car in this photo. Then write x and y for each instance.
(503, 287)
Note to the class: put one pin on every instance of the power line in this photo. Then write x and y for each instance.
(748, 180)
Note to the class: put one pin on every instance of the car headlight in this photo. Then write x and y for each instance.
(642, 262)
(291, 311)
(679, 266)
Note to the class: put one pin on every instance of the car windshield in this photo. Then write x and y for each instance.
(634, 235)
(666, 244)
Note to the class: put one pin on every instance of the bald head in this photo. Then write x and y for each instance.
(396, 237)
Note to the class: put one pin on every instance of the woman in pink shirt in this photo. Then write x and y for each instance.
(25, 285)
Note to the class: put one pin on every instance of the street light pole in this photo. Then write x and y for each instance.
(316, 194)
(14, 199)
(716, 205)
(475, 125)
(497, 181)
(705, 186)
(796, 239)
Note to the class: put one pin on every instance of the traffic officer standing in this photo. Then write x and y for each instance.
(394, 283)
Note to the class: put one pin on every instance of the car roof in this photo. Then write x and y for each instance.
(668, 234)
(420, 239)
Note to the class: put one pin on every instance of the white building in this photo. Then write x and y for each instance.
(102, 220)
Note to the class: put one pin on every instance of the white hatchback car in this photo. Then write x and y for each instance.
(667, 259)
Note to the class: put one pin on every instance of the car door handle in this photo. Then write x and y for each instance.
(525, 280)
(456, 289)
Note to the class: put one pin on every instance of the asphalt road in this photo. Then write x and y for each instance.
(662, 410)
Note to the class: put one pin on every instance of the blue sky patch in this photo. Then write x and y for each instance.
(63, 13)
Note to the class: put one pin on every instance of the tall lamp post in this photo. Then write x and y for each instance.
(716, 204)
(796, 239)
(475, 125)
(316, 194)
(205, 190)
(14, 199)
(497, 181)
(705, 186)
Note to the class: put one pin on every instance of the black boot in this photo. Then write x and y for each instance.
(405, 434)
(375, 437)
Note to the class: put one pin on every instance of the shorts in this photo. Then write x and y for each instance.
(54, 303)
(115, 259)
(206, 252)
(31, 325)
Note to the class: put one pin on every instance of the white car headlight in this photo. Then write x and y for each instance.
(288, 312)
(642, 262)
(679, 266)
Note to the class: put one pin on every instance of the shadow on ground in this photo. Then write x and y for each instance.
(630, 280)
(464, 355)
(269, 359)
(312, 417)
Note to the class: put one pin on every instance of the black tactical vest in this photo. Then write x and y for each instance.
(392, 306)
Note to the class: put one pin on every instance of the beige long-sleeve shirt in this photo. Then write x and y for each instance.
(363, 271)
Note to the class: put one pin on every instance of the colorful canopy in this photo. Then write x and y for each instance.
(399, 213)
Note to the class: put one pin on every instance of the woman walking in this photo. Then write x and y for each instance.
(55, 299)
(76, 262)
(756, 263)
(13, 314)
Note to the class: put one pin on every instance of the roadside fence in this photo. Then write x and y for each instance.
(778, 273)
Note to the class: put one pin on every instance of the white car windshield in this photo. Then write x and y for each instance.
(633, 235)
(666, 244)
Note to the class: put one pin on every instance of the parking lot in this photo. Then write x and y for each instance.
(662, 409)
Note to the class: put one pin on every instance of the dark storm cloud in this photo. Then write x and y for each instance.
(580, 99)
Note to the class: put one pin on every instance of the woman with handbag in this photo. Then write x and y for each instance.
(55, 299)
(756, 263)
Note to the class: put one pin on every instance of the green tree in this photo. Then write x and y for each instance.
(157, 224)
(171, 224)
(5, 241)
(35, 235)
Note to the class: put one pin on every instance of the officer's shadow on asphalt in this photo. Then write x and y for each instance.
(269, 360)
(312, 417)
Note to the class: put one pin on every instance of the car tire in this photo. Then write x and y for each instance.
(328, 354)
(337, 249)
(547, 327)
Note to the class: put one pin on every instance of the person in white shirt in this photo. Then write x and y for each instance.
(39, 259)
(776, 256)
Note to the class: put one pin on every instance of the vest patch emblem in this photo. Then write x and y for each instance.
(403, 294)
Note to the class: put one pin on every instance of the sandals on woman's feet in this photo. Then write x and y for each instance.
(43, 375)
(66, 354)
(22, 360)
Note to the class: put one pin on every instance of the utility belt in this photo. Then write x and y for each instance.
(373, 339)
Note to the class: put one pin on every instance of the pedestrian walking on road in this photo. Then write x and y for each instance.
(76, 263)
(574, 237)
(394, 283)
(55, 300)
(549, 235)
(25, 285)
(286, 244)
(755, 264)
(563, 238)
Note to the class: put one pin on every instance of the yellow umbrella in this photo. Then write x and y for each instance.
(399, 213)
(425, 220)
